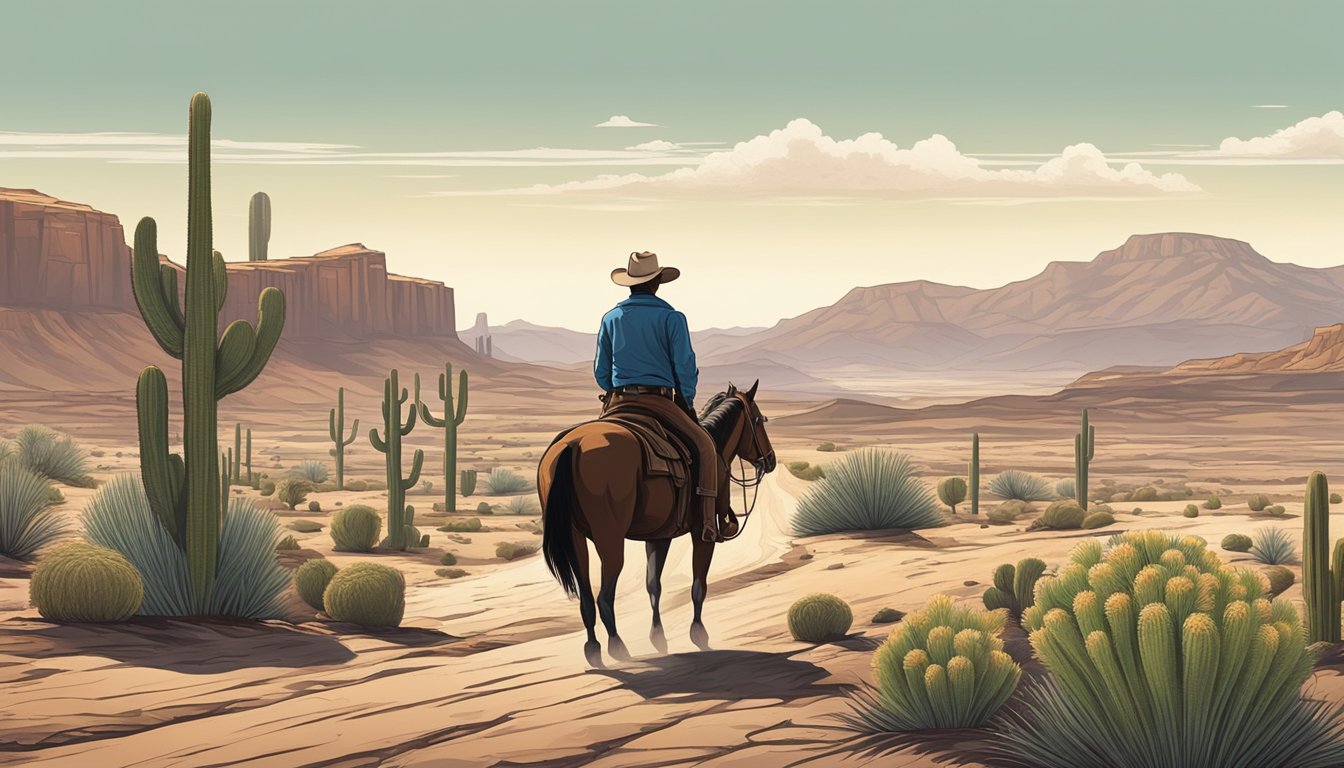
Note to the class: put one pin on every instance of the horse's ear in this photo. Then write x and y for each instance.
(751, 393)
(732, 389)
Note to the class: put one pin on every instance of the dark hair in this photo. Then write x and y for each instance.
(649, 288)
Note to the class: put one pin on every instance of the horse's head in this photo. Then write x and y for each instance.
(754, 444)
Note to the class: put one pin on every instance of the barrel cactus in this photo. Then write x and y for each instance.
(366, 593)
(311, 580)
(1237, 542)
(1062, 515)
(83, 582)
(952, 491)
(819, 617)
(355, 528)
(1257, 502)
(1161, 655)
(943, 667)
(1098, 519)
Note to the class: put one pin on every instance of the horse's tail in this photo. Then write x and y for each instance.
(557, 541)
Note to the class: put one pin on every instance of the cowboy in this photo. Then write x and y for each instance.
(645, 359)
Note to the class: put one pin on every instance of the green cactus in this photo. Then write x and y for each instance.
(452, 419)
(258, 227)
(336, 429)
(952, 491)
(1015, 587)
(250, 477)
(185, 494)
(1084, 446)
(1318, 582)
(468, 485)
(236, 458)
(974, 473)
(399, 516)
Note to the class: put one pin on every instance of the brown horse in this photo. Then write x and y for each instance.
(593, 479)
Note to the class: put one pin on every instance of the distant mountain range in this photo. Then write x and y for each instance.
(1159, 299)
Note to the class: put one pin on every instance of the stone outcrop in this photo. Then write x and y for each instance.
(1324, 351)
(69, 257)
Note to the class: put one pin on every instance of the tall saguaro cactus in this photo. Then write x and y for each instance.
(452, 419)
(399, 516)
(1084, 446)
(973, 474)
(336, 429)
(1321, 584)
(184, 490)
(259, 227)
(235, 473)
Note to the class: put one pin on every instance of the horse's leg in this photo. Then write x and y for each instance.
(657, 555)
(587, 606)
(611, 550)
(701, 556)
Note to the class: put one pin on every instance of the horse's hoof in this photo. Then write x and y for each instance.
(593, 652)
(700, 636)
(616, 647)
(659, 640)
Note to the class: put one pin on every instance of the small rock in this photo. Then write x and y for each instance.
(835, 566)
(984, 525)
(969, 583)
(805, 556)
(888, 616)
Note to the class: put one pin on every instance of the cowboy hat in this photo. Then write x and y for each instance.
(643, 268)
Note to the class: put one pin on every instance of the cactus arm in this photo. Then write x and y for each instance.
(168, 279)
(221, 277)
(236, 348)
(462, 397)
(160, 471)
(248, 351)
(425, 414)
(378, 444)
(147, 285)
(417, 462)
(410, 421)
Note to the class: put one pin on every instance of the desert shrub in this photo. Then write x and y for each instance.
(1101, 508)
(952, 491)
(1237, 542)
(1014, 586)
(449, 573)
(1062, 515)
(368, 594)
(888, 616)
(266, 487)
(287, 543)
(513, 550)
(1163, 656)
(52, 455)
(819, 617)
(1145, 493)
(1023, 486)
(1273, 546)
(1279, 578)
(1275, 510)
(1335, 498)
(1120, 497)
(427, 487)
(313, 471)
(27, 521)
(484, 508)
(448, 558)
(1191, 511)
(314, 506)
(1066, 488)
(82, 582)
(311, 580)
(1213, 503)
(827, 447)
(1098, 519)
(503, 482)
(1258, 502)
(304, 526)
(248, 580)
(867, 490)
(54, 495)
(356, 528)
(359, 486)
(944, 667)
(805, 471)
(522, 505)
(1007, 512)
(465, 525)
(293, 491)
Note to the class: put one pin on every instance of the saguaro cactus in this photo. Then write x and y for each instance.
(259, 227)
(336, 428)
(399, 516)
(468, 486)
(1084, 446)
(452, 419)
(973, 474)
(237, 454)
(185, 494)
(1320, 583)
(250, 477)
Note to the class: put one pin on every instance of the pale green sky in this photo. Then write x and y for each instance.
(438, 113)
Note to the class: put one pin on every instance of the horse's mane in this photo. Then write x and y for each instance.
(720, 416)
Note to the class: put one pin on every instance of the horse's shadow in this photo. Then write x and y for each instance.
(724, 675)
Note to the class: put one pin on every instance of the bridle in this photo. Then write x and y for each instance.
(759, 465)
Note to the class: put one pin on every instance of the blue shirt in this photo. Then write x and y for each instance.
(640, 341)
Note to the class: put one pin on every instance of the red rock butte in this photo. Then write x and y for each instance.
(67, 256)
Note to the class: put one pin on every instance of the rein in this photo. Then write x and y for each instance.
(744, 482)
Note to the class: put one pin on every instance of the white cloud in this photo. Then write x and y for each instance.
(1315, 138)
(657, 145)
(622, 121)
(801, 160)
(1269, 106)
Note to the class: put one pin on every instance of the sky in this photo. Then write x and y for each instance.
(779, 153)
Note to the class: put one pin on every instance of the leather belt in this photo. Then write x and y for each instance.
(641, 389)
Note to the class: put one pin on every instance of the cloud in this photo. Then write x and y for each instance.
(1269, 106)
(1315, 138)
(657, 145)
(801, 160)
(622, 121)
